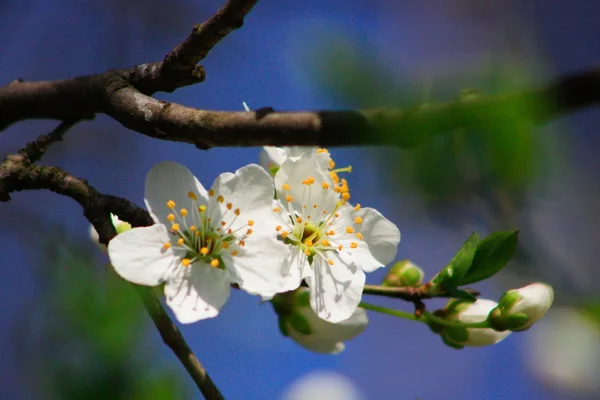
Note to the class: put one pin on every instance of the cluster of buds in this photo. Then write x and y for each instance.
(517, 310)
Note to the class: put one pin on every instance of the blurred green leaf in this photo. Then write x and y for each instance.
(493, 252)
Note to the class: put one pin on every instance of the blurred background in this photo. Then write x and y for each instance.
(70, 330)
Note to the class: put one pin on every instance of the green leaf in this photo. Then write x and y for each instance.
(493, 252)
(452, 275)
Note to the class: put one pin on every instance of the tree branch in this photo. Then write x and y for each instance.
(18, 173)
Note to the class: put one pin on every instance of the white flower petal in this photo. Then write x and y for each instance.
(169, 180)
(138, 255)
(478, 312)
(197, 292)
(336, 290)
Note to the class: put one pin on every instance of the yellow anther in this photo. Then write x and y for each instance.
(298, 219)
(284, 234)
(250, 222)
(249, 232)
(325, 242)
(225, 245)
(350, 168)
(330, 261)
(330, 233)
(223, 223)
(236, 211)
(171, 217)
(175, 227)
(286, 186)
(276, 209)
(234, 253)
(229, 206)
(307, 252)
(192, 196)
(335, 177)
(308, 242)
(202, 208)
(325, 185)
(186, 261)
(324, 212)
(204, 251)
(331, 164)
(183, 212)
(180, 241)
(167, 245)
(220, 199)
(214, 262)
(358, 220)
(230, 230)
(359, 235)
(315, 205)
(278, 228)
(337, 215)
(353, 245)
(346, 196)
(192, 228)
(311, 180)
(211, 192)
(357, 207)
(349, 229)
(242, 243)
(321, 150)
(340, 247)
(171, 204)
(288, 198)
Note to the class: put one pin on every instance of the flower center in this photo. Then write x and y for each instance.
(206, 233)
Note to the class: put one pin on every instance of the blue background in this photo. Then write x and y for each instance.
(269, 63)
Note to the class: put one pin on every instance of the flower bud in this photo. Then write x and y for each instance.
(120, 227)
(520, 308)
(404, 273)
(298, 321)
(468, 312)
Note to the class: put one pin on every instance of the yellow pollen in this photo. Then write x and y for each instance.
(214, 263)
(230, 231)
(288, 198)
(311, 180)
(242, 243)
(225, 245)
(346, 196)
(186, 262)
(202, 208)
(237, 211)
(192, 196)
(204, 251)
(276, 209)
(331, 164)
(349, 230)
(330, 261)
(220, 199)
(308, 242)
(315, 206)
(171, 217)
(193, 228)
(298, 219)
(284, 234)
(353, 245)
(330, 233)
(234, 253)
(359, 235)
(340, 247)
(307, 252)
(335, 177)
(249, 232)
(229, 206)
(337, 215)
(286, 186)
(357, 207)
(175, 227)
(325, 185)
(183, 212)
(167, 245)
(358, 220)
(321, 150)
(211, 192)
(325, 242)
(180, 241)
(171, 204)
(250, 222)
(278, 228)
(324, 212)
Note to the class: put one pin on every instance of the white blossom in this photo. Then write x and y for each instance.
(531, 301)
(468, 312)
(203, 241)
(331, 243)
